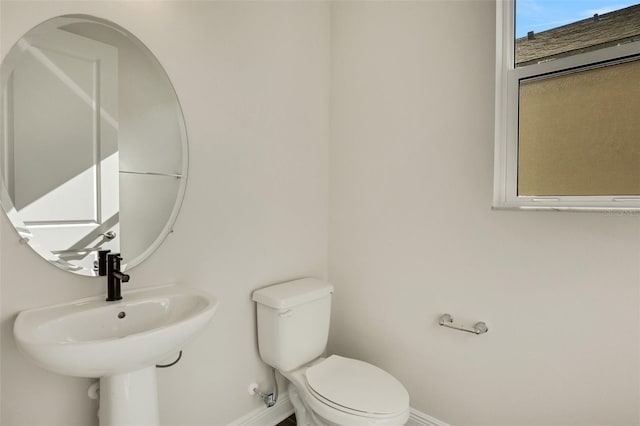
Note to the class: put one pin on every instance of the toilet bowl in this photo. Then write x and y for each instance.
(293, 328)
(342, 391)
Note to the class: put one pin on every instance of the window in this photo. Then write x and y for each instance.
(568, 112)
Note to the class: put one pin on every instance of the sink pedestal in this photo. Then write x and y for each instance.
(129, 399)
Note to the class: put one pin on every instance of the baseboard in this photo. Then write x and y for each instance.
(264, 416)
(418, 418)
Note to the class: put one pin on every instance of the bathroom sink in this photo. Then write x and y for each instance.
(94, 338)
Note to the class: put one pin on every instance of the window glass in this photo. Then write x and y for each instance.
(547, 29)
(579, 133)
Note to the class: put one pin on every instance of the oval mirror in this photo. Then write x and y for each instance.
(94, 146)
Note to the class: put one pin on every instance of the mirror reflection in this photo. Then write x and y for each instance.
(93, 143)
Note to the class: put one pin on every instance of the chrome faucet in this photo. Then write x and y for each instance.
(109, 265)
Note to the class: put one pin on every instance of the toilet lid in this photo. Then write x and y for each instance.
(357, 385)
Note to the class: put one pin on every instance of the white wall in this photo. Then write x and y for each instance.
(253, 80)
(412, 235)
(411, 229)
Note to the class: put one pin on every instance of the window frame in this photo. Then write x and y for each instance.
(508, 77)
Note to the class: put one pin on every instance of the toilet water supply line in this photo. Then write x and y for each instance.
(269, 398)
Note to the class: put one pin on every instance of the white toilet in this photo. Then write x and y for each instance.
(293, 327)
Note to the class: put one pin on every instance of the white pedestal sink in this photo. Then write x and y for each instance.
(119, 342)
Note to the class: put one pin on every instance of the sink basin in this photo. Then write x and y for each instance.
(94, 338)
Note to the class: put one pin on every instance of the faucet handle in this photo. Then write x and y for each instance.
(114, 265)
(114, 256)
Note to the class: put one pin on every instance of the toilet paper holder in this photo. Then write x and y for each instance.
(446, 320)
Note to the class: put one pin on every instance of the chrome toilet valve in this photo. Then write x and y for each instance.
(269, 398)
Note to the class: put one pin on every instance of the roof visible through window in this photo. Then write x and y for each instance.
(547, 29)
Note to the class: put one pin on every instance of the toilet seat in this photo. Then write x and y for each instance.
(356, 387)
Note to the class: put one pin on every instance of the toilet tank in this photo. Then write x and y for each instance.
(293, 322)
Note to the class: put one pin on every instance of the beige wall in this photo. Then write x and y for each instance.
(253, 80)
(412, 235)
(593, 149)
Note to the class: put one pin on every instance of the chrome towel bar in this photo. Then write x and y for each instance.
(446, 320)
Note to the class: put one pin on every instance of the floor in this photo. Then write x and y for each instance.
(289, 421)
